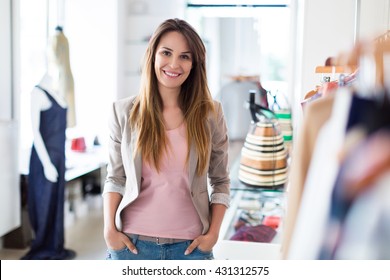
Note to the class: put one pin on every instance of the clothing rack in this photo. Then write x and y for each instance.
(363, 113)
(385, 37)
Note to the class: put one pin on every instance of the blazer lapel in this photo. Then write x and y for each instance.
(138, 168)
(192, 164)
(136, 158)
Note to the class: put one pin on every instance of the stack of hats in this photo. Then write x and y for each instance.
(264, 156)
(284, 117)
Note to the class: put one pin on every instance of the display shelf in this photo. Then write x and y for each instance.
(77, 163)
(260, 202)
(242, 250)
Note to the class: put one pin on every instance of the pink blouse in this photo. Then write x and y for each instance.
(164, 207)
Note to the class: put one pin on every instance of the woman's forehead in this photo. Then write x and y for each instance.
(174, 41)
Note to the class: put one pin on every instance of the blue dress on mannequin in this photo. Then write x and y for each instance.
(45, 198)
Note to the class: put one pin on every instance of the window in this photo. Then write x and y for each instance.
(91, 31)
(244, 38)
(33, 39)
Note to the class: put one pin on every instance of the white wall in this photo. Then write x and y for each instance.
(10, 205)
(327, 28)
(323, 29)
(91, 28)
(5, 58)
(374, 18)
(9, 176)
(137, 20)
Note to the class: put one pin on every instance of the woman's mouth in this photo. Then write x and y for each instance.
(171, 74)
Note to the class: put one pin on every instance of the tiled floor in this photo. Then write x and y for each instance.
(84, 234)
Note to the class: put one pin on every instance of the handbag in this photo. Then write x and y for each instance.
(263, 162)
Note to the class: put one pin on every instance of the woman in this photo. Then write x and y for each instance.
(163, 143)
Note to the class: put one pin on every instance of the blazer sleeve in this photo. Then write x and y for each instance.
(218, 172)
(116, 177)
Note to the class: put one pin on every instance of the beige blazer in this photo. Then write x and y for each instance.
(124, 167)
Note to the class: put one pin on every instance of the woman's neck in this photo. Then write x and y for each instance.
(172, 114)
(170, 97)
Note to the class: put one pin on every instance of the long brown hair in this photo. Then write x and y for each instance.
(194, 100)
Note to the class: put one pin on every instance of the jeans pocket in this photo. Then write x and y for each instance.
(204, 252)
(202, 255)
(117, 254)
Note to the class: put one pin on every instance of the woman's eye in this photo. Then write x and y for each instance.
(185, 57)
(167, 53)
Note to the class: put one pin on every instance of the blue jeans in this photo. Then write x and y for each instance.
(152, 251)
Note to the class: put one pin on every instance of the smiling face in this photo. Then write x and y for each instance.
(173, 61)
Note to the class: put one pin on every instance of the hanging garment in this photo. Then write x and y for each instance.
(263, 162)
(314, 207)
(46, 199)
(315, 116)
(358, 224)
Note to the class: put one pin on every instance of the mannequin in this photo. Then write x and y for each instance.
(49, 113)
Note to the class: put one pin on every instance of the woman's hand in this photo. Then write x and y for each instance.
(204, 242)
(116, 240)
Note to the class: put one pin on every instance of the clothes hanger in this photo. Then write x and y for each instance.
(335, 65)
(332, 69)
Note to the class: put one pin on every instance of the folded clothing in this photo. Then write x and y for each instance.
(259, 233)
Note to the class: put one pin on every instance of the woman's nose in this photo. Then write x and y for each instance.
(174, 62)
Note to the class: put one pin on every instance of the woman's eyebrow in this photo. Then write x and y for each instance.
(169, 49)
